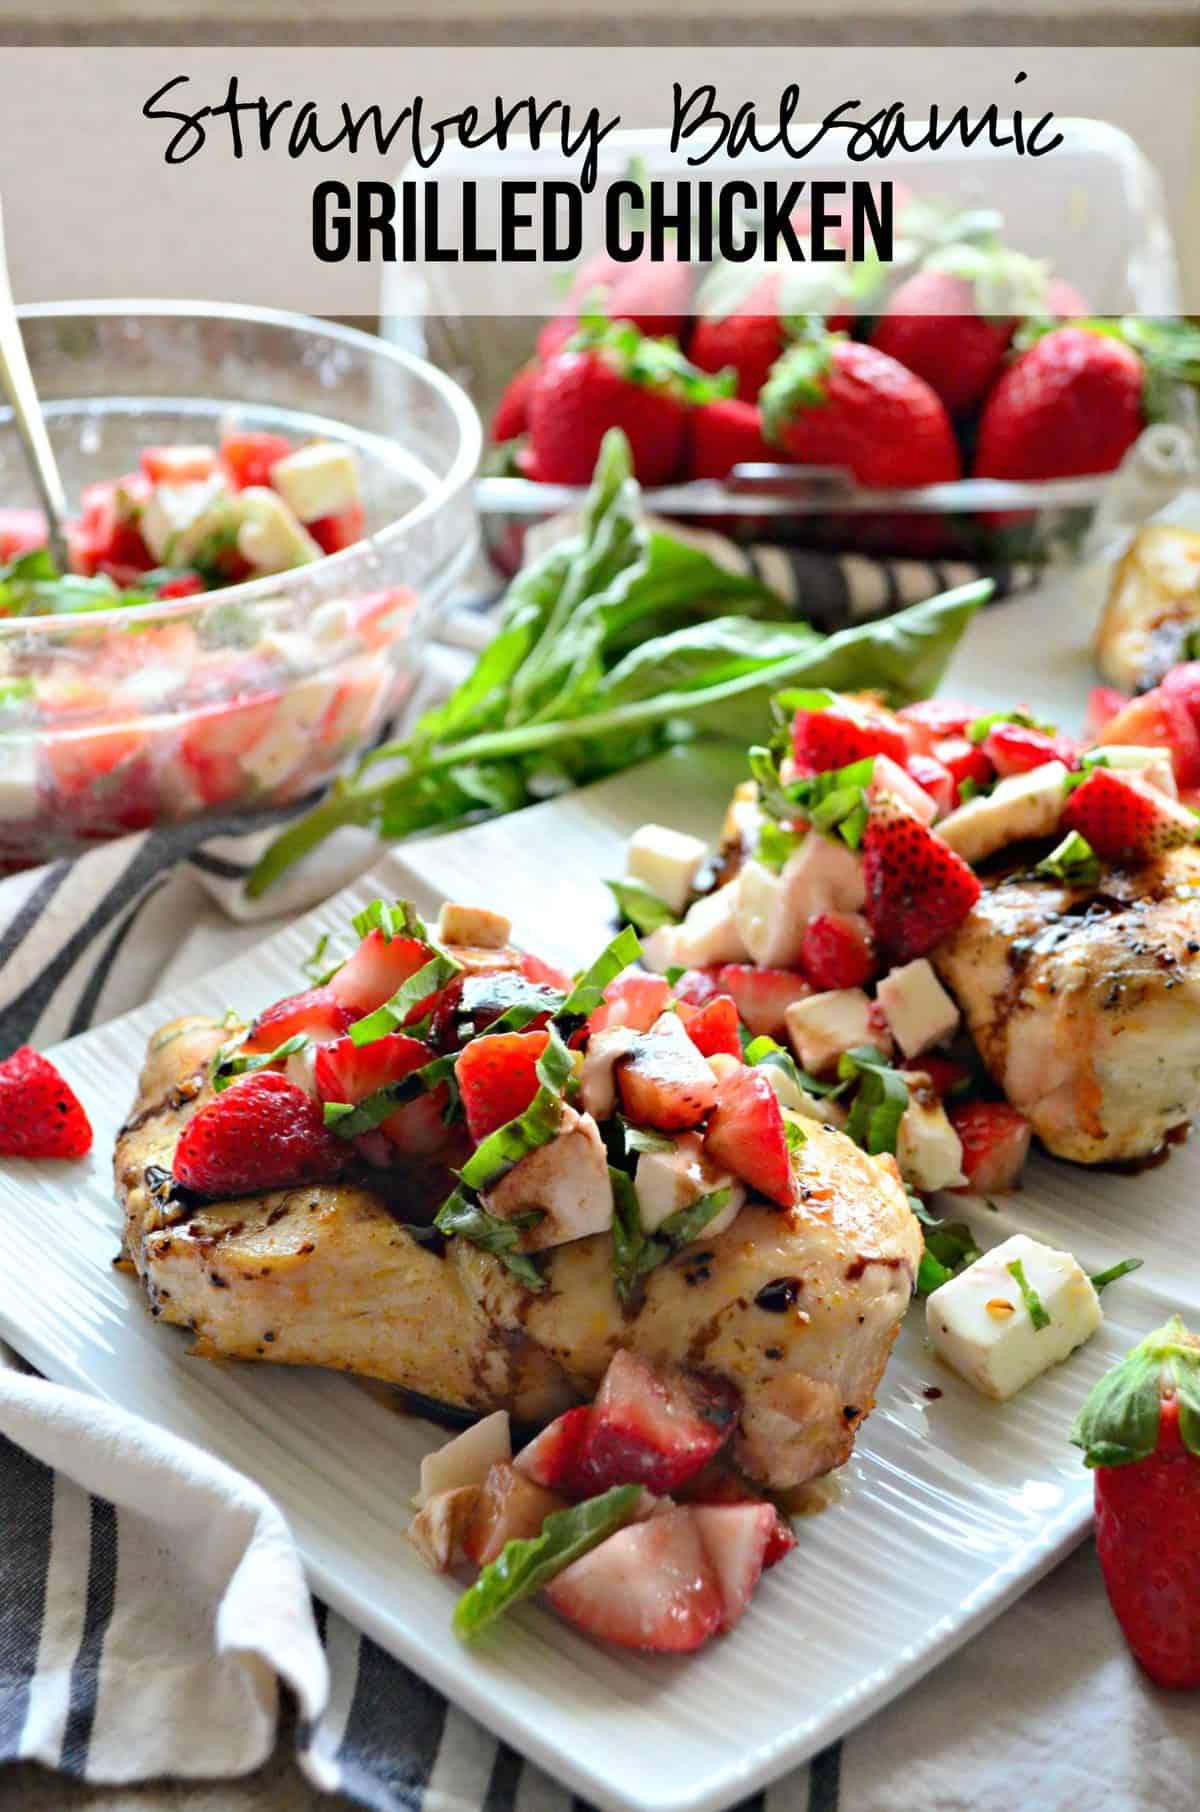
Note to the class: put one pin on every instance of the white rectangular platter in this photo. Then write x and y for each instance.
(950, 1508)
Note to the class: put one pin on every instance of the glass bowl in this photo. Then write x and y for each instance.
(239, 700)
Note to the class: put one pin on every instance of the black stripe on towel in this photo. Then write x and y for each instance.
(392, 1735)
(32, 910)
(825, 1779)
(24, 1560)
(97, 1615)
(220, 867)
(85, 1007)
(501, 1795)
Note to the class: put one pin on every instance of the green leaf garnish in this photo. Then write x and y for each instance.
(1102, 1279)
(637, 906)
(635, 1252)
(400, 919)
(879, 1102)
(429, 979)
(588, 991)
(315, 967)
(462, 1217)
(228, 1063)
(1073, 860)
(949, 1248)
(524, 1567)
(776, 842)
(763, 1051)
(1029, 1295)
(980, 728)
(643, 1138)
(535, 1127)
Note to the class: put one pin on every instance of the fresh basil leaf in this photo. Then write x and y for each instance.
(979, 730)
(776, 842)
(1029, 1296)
(687, 1224)
(398, 920)
(764, 1051)
(637, 906)
(461, 1217)
(535, 1127)
(524, 1567)
(879, 1102)
(1102, 1279)
(949, 1248)
(315, 967)
(429, 979)
(228, 1063)
(643, 1138)
(674, 973)
(794, 1134)
(1073, 860)
(589, 987)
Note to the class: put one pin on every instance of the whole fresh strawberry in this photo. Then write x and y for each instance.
(653, 297)
(512, 411)
(748, 314)
(834, 402)
(40, 1116)
(1073, 403)
(1126, 819)
(725, 434)
(611, 376)
(918, 888)
(1140, 1431)
(260, 1133)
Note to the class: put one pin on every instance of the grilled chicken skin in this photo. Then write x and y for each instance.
(1084, 1004)
(798, 1308)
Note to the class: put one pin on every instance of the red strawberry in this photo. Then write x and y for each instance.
(739, 326)
(746, 1135)
(40, 1115)
(845, 732)
(20, 532)
(512, 411)
(248, 457)
(995, 1142)
(837, 952)
(1164, 718)
(945, 1073)
(333, 533)
(930, 720)
(544, 974)
(261, 1133)
(1140, 1431)
(665, 1082)
(317, 1012)
(725, 434)
(936, 779)
(835, 402)
(655, 297)
(552, 1457)
(736, 1538)
(714, 1027)
(717, 1486)
(613, 378)
(652, 1427)
(918, 889)
(1015, 749)
(375, 971)
(346, 1071)
(762, 996)
(649, 1586)
(697, 986)
(635, 999)
(1104, 702)
(497, 1078)
(965, 760)
(1123, 818)
(1071, 404)
(510, 1507)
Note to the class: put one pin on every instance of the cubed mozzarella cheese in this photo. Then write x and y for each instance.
(928, 1150)
(476, 925)
(597, 1077)
(176, 519)
(269, 536)
(822, 1026)
(891, 779)
(1021, 807)
(980, 1325)
(467, 1458)
(796, 1099)
(666, 1181)
(708, 934)
(666, 861)
(918, 1008)
(566, 1180)
(288, 739)
(822, 875)
(318, 480)
(18, 780)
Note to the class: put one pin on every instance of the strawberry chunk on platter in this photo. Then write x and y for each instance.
(1123, 818)
(497, 1078)
(838, 951)
(40, 1114)
(746, 1134)
(651, 1586)
(918, 889)
(317, 1013)
(995, 1143)
(762, 996)
(377, 969)
(713, 1028)
(260, 1133)
(844, 733)
(651, 1428)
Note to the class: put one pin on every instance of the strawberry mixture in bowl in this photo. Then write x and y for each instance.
(268, 511)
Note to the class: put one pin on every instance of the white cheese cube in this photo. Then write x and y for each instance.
(474, 925)
(918, 1008)
(822, 875)
(566, 1180)
(928, 1150)
(822, 1026)
(794, 1099)
(666, 1181)
(980, 1325)
(288, 738)
(270, 537)
(176, 519)
(18, 780)
(709, 934)
(466, 1459)
(666, 861)
(1023, 806)
(597, 1074)
(891, 779)
(318, 480)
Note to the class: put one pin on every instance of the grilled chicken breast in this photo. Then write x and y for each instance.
(1153, 604)
(798, 1309)
(1084, 1004)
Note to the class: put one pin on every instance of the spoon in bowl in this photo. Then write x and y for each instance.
(17, 381)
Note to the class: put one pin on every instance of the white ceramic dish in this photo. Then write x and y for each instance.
(949, 1510)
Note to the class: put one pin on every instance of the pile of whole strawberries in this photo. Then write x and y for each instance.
(963, 357)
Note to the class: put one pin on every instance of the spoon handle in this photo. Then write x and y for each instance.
(17, 381)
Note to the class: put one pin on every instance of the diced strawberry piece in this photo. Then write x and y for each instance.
(1104, 702)
(512, 411)
(762, 996)
(376, 970)
(20, 532)
(497, 1078)
(317, 1012)
(333, 533)
(843, 733)
(932, 719)
(651, 1427)
(107, 533)
(40, 1114)
(649, 1586)
(1162, 719)
(346, 1071)
(635, 999)
(510, 1507)
(697, 986)
(945, 1073)
(936, 779)
(260, 1133)
(995, 1142)
(217, 737)
(178, 465)
(918, 889)
(552, 1457)
(716, 1485)
(1124, 819)
(736, 1538)
(965, 760)
(746, 1135)
(187, 585)
(837, 951)
(248, 457)
(664, 1082)
(544, 974)
(714, 1027)
(1015, 749)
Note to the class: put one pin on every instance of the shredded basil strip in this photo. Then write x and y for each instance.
(880, 1100)
(638, 906)
(949, 1248)
(635, 1252)
(399, 920)
(316, 968)
(524, 1567)
(462, 1217)
(535, 1127)
(349, 1119)
(1029, 1295)
(589, 987)
(521, 1001)
(1102, 1279)
(431, 978)
(763, 1052)
(644, 1138)
(981, 727)
(1073, 859)
(228, 1064)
